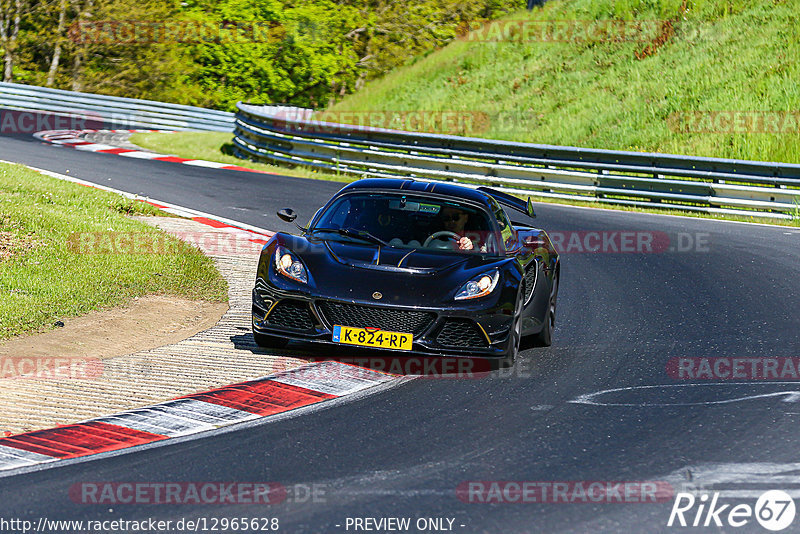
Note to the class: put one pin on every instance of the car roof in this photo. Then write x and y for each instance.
(415, 186)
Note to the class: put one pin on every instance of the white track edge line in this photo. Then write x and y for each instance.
(133, 196)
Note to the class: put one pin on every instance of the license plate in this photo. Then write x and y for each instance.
(372, 338)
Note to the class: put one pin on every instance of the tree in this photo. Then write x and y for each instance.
(62, 20)
(268, 51)
(11, 13)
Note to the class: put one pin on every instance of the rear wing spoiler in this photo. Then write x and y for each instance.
(515, 203)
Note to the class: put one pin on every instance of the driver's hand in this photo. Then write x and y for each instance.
(465, 243)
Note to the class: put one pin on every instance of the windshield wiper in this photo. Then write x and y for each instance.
(352, 232)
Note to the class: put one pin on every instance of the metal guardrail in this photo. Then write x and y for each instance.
(113, 111)
(710, 185)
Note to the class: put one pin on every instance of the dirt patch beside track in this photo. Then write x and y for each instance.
(146, 323)
(156, 349)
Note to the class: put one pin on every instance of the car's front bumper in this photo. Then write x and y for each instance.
(451, 331)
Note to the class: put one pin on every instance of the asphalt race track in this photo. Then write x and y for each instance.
(734, 293)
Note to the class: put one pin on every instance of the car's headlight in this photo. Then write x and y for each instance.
(480, 286)
(289, 265)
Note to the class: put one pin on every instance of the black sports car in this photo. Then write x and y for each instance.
(404, 265)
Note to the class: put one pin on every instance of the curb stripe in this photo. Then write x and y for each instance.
(81, 439)
(138, 154)
(179, 417)
(157, 420)
(73, 139)
(263, 398)
(334, 378)
(117, 150)
(174, 159)
(94, 147)
(18, 457)
(271, 395)
(156, 204)
(203, 163)
(212, 223)
(245, 169)
(205, 412)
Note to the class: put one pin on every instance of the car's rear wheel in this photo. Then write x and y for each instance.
(545, 337)
(270, 342)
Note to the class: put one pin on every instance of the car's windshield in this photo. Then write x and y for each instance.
(408, 221)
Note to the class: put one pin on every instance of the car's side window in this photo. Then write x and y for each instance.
(506, 228)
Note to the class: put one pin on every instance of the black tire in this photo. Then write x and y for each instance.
(545, 337)
(270, 342)
(508, 360)
(502, 363)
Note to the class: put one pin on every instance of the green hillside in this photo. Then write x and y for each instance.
(648, 92)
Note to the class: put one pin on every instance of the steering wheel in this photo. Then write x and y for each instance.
(443, 233)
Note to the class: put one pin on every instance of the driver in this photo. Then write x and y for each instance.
(455, 220)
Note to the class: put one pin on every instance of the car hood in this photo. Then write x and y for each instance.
(382, 258)
(354, 271)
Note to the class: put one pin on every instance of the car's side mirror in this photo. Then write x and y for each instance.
(529, 206)
(287, 215)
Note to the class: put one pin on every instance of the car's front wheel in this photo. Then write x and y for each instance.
(516, 332)
(545, 337)
(270, 342)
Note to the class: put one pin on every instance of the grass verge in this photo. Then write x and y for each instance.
(43, 279)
